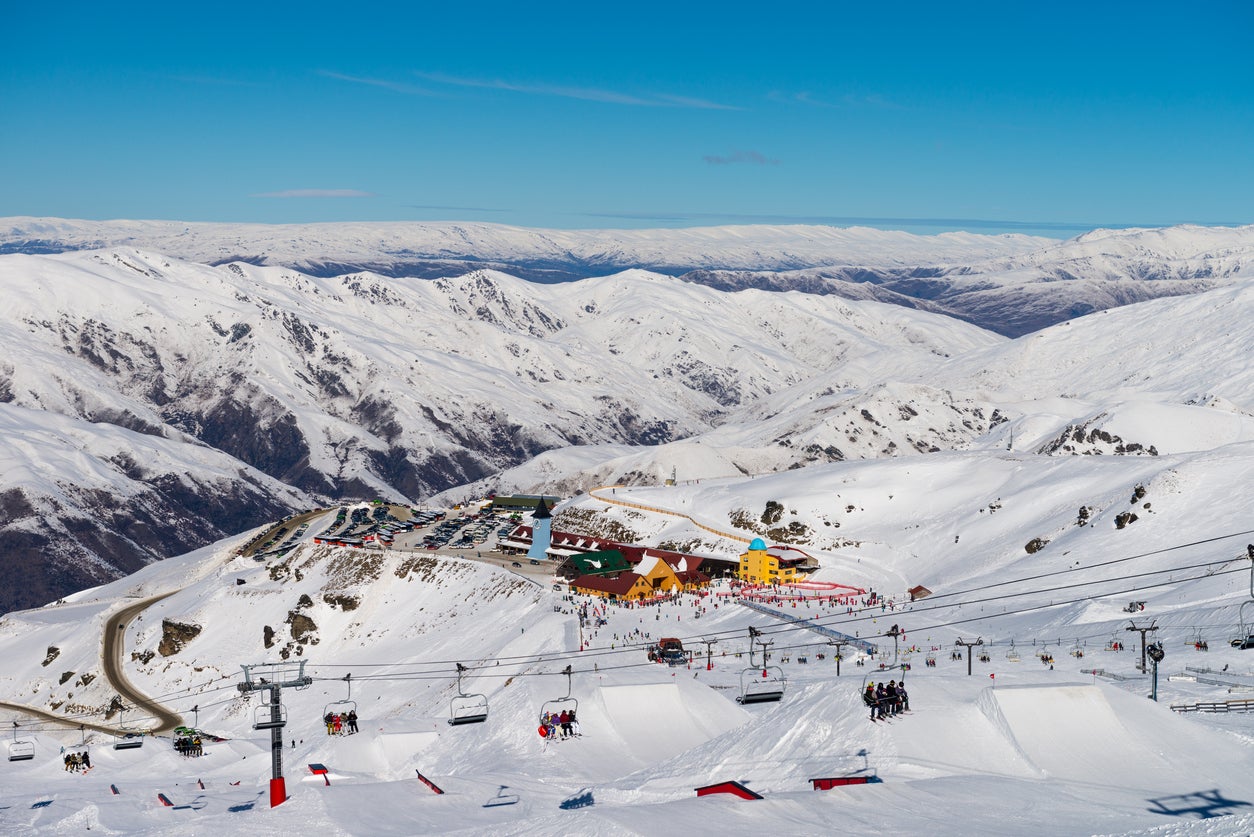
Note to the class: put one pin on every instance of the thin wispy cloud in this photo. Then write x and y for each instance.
(587, 94)
(753, 158)
(316, 193)
(386, 84)
(443, 208)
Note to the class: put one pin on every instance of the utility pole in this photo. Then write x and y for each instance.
(709, 653)
(839, 646)
(281, 675)
(1142, 631)
(969, 646)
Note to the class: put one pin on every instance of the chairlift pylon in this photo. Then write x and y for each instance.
(467, 708)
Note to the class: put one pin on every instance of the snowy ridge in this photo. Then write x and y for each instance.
(388, 247)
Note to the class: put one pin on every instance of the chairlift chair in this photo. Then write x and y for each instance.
(557, 705)
(1199, 641)
(760, 684)
(467, 708)
(1076, 650)
(1013, 655)
(263, 717)
(124, 739)
(128, 740)
(878, 675)
(21, 749)
(1245, 626)
(342, 707)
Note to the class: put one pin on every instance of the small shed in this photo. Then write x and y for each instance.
(919, 592)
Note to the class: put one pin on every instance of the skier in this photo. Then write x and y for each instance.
(868, 697)
(352, 721)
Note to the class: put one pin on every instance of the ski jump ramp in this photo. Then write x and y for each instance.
(658, 720)
(1101, 735)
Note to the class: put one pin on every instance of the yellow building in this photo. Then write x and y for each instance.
(776, 565)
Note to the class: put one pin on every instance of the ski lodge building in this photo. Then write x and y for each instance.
(761, 564)
(613, 575)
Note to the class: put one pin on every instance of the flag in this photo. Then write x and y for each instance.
(992, 676)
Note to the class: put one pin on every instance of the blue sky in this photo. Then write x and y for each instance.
(993, 117)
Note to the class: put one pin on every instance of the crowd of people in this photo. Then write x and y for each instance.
(341, 723)
(886, 701)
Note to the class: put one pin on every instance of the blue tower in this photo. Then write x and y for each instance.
(541, 537)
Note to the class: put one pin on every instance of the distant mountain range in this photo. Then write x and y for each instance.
(166, 384)
(1010, 284)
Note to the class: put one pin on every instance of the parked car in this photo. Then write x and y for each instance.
(516, 564)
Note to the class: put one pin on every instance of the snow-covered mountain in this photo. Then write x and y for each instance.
(1022, 293)
(366, 386)
(1038, 487)
(444, 249)
(281, 390)
(1010, 284)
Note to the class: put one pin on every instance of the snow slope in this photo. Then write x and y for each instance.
(1035, 748)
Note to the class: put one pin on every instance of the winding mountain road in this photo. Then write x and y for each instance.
(111, 652)
(731, 536)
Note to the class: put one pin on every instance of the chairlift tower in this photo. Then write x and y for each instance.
(279, 676)
(969, 645)
(709, 653)
(839, 645)
(895, 632)
(1143, 631)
